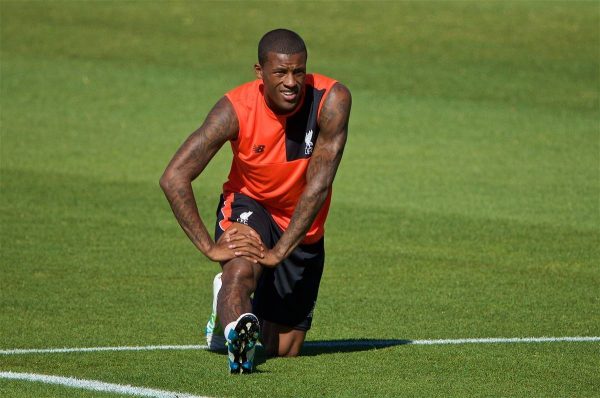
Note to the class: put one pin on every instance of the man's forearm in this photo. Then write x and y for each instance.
(323, 165)
(306, 211)
(183, 203)
(189, 161)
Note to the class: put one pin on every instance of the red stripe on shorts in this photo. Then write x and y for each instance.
(226, 212)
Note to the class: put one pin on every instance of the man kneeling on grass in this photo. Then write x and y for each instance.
(287, 130)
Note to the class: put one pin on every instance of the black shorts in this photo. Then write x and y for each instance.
(286, 294)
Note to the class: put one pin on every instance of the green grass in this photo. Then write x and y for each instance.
(467, 203)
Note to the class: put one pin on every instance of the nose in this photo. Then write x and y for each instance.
(289, 81)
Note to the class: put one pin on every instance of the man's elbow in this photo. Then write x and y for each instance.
(166, 180)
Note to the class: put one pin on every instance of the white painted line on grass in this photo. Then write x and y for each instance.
(18, 351)
(327, 344)
(95, 385)
(581, 339)
(490, 340)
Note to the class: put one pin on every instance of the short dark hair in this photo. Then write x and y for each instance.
(281, 41)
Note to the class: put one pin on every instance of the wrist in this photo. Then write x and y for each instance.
(206, 248)
(279, 252)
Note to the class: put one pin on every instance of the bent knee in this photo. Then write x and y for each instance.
(282, 341)
(280, 350)
(237, 270)
(289, 352)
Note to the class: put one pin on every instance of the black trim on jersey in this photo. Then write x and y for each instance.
(299, 126)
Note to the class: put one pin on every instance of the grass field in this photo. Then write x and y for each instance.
(467, 204)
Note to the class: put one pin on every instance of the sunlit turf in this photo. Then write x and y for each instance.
(466, 205)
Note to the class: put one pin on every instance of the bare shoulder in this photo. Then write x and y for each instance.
(339, 92)
(193, 155)
(221, 122)
(336, 108)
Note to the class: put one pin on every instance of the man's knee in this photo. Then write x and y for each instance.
(282, 349)
(289, 351)
(282, 341)
(239, 271)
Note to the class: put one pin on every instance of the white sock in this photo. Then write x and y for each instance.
(229, 326)
(216, 287)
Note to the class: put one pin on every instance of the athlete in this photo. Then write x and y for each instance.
(287, 131)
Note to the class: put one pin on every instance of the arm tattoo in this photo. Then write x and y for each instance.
(333, 123)
(191, 158)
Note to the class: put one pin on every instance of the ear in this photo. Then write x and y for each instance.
(258, 71)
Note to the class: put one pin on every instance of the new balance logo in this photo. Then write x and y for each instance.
(258, 148)
(308, 145)
(243, 218)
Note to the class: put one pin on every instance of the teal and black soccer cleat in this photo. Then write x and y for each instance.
(241, 344)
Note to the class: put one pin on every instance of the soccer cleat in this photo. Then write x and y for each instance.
(214, 332)
(241, 343)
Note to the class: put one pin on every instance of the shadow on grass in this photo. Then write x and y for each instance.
(260, 356)
(313, 348)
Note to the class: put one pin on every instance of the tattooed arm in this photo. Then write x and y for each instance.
(333, 124)
(221, 125)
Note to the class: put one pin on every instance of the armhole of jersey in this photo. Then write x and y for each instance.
(327, 91)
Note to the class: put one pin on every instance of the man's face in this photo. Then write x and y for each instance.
(283, 77)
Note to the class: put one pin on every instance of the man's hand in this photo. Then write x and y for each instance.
(234, 243)
(270, 259)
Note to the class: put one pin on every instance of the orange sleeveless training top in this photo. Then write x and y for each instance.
(271, 153)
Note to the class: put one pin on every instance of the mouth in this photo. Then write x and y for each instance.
(289, 95)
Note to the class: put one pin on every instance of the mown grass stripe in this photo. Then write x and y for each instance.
(328, 344)
(95, 385)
